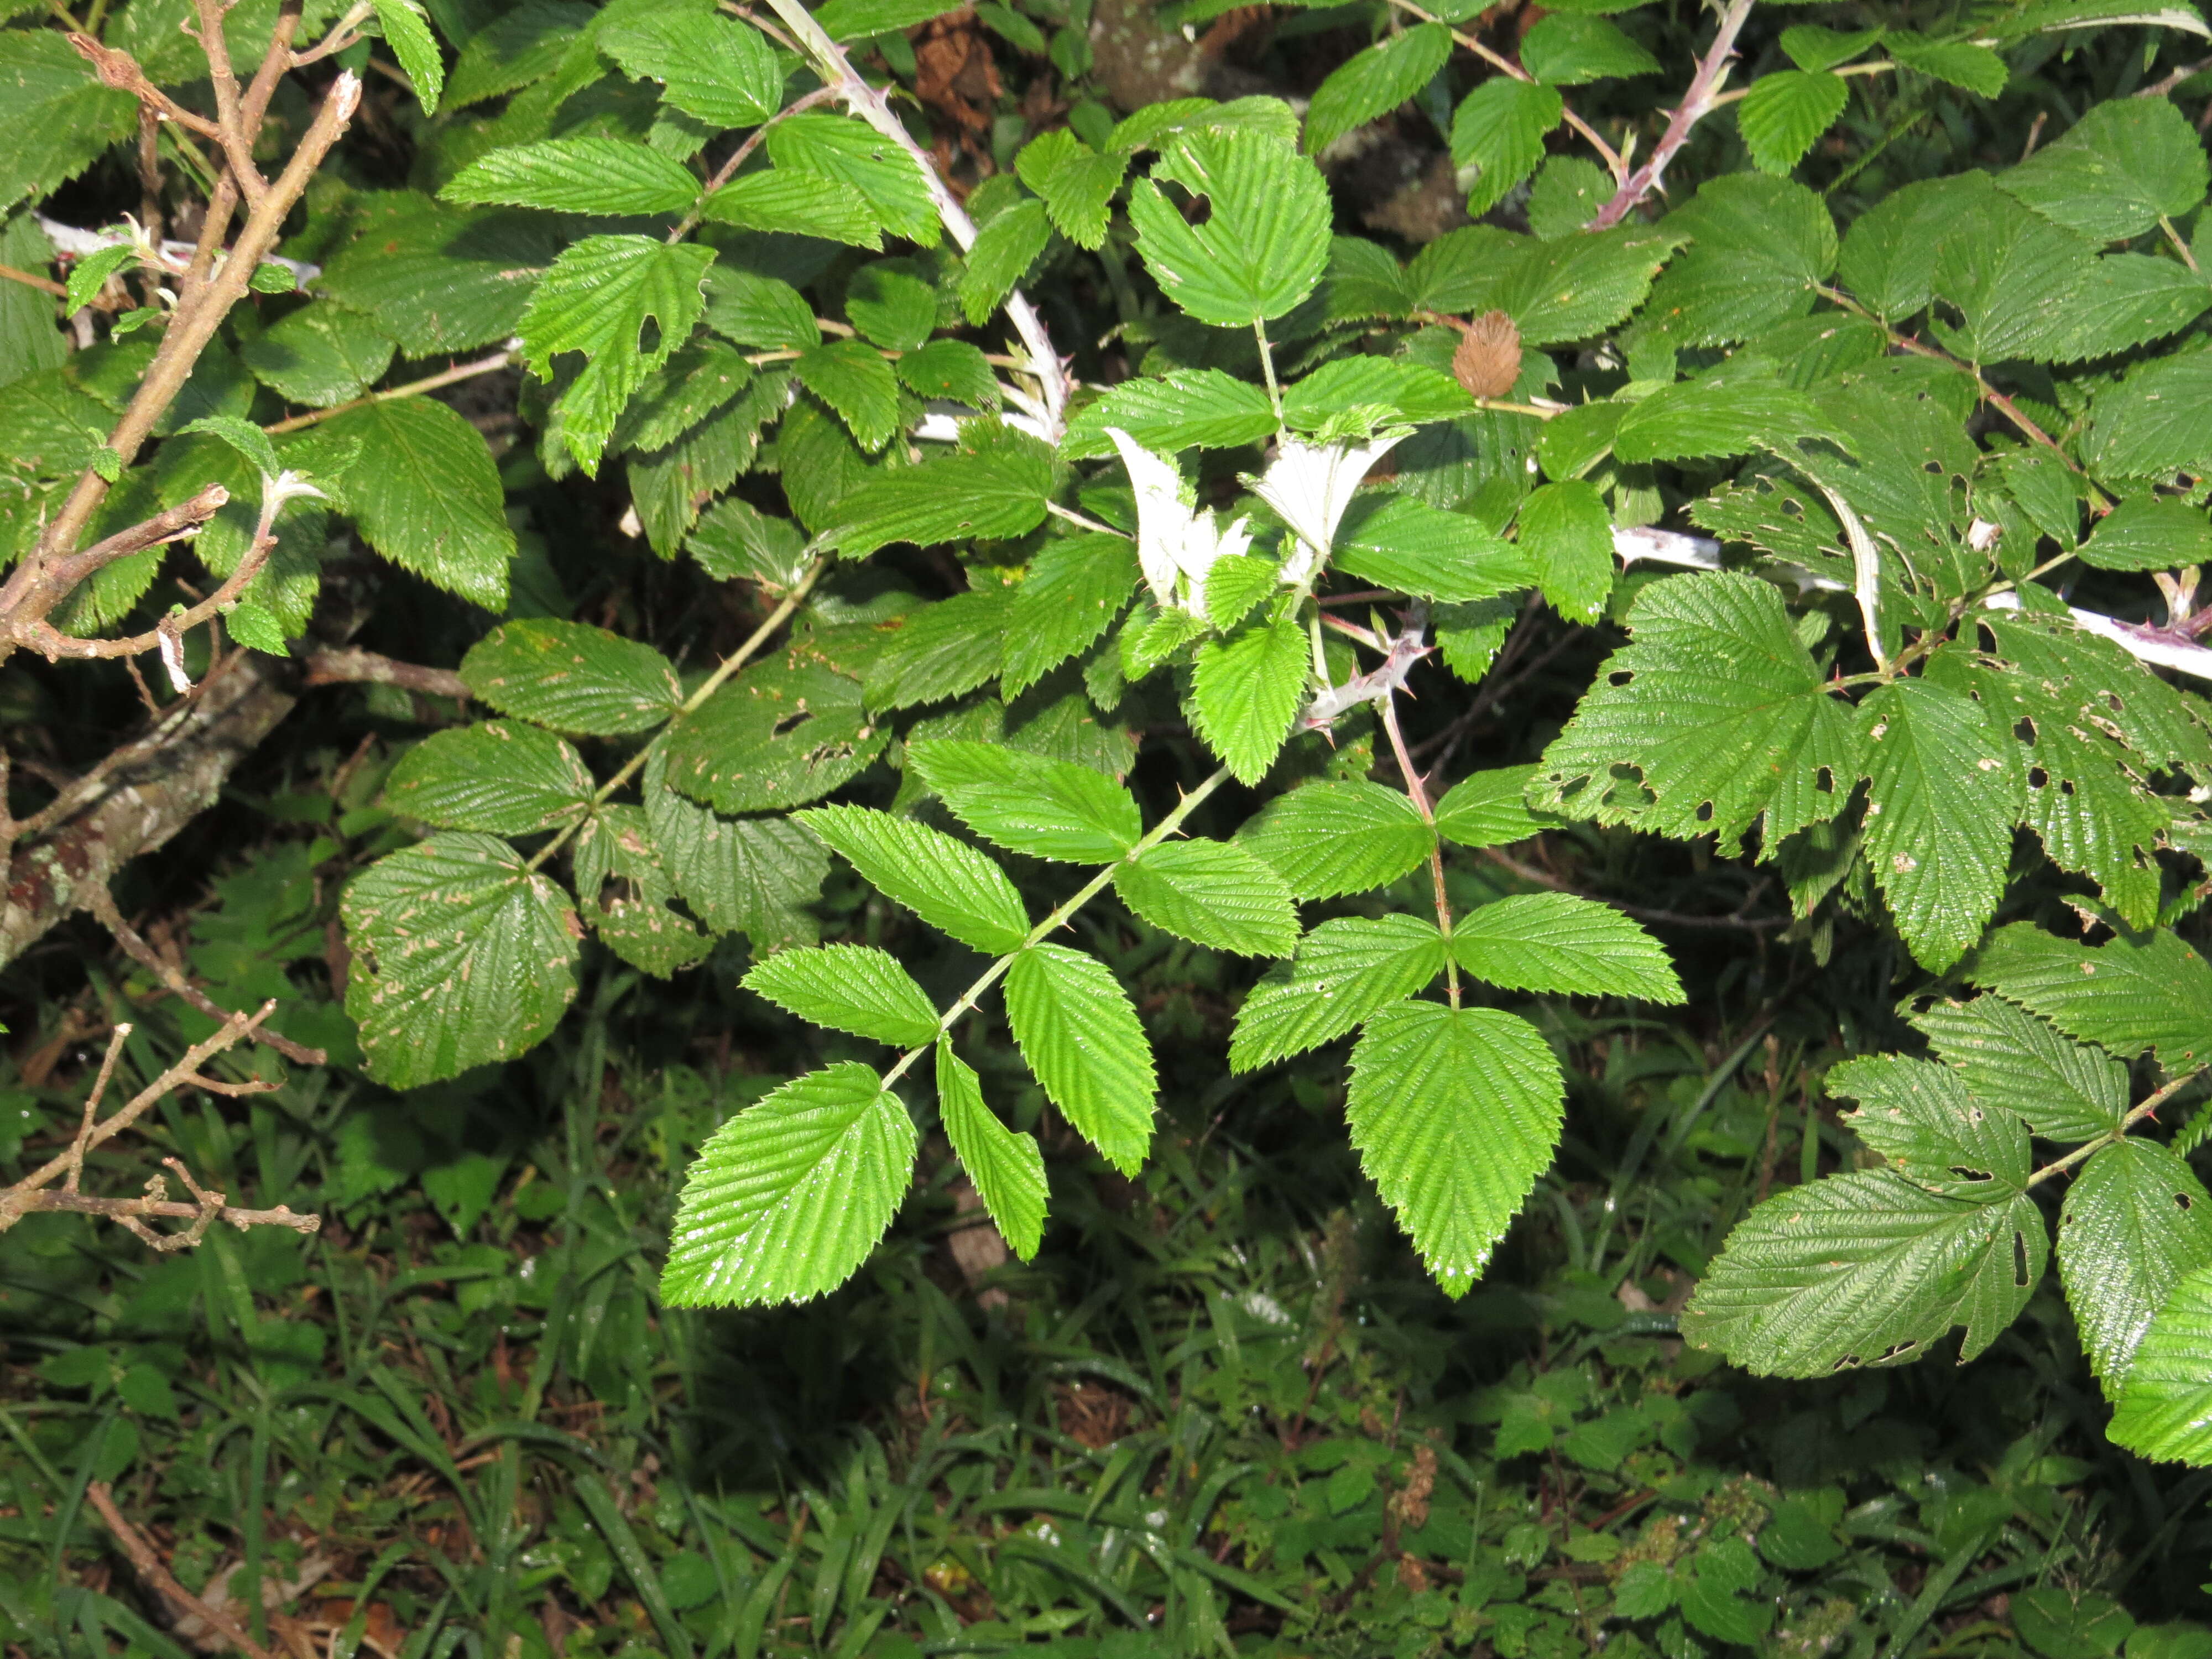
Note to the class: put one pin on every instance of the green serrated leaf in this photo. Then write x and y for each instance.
(1074, 590)
(1076, 182)
(1374, 83)
(2012, 1062)
(1403, 391)
(2151, 425)
(754, 876)
(1944, 791)
(952, 371)
(56, 115)
(406, 27)
(1558, 943)
(1345, 970)
(1784, 112)
(1265, 241)
(462, 955)
(439, 279)
(91, 271)
(423, 491)
(1199, 408)
(1959, 63)
(947, 883)
(1244, 692)
(995, 491)
(789, 1197)
(2121, 166)
(2149, 533)
(1567, 48)
(2164, 1411)
(2135, 1223)
(1921, 1116)
(650, 937)
(1499, 129)
(940, 650)
(1402, 543)
(503, 777)
(247, 438)
(849, 149)
(1712, 714)
(1212, 894)
(848, 988)
(1759, 246)
(577, 175)
(713, 67)
(1455, 1112)
(1811, 47)
(320, 354)
(1566, 536)
(1007, 1168)
(1028, 804)
(780, 734)
(1867, 1269)
(853, 380)
(2130, 995)
(1329, 839)
(797, 202)
(597, 299)
(1488, 809)
(1083, 1040)
(1004, 251)
(572, 678)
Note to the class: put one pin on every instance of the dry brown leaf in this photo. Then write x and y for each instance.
(1488, 361)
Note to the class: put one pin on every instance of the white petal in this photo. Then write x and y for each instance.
(1164, 522)
(1310, 486)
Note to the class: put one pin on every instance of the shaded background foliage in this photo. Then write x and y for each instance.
(1224, 1405)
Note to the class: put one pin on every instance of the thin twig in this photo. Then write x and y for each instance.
(347, 665)
(728, 170)
(44, 284)
(206, 298)
(16, 1200)
(444, 377)
(101, 903)
(149, 1567)
(2058, 1165)
(1696, 103)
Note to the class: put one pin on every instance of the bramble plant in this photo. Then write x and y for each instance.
(1911, 443)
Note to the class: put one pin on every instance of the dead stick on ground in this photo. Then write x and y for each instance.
(149, 1567)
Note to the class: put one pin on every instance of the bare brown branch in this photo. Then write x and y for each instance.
(101, 903)
(138, 798)
(207, 295)
(150, 1568)
(1696, 103)
(348, 665)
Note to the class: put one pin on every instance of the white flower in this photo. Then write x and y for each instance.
(1176, 546)
(1309, 486)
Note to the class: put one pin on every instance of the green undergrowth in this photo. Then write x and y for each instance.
(1222, 1411)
